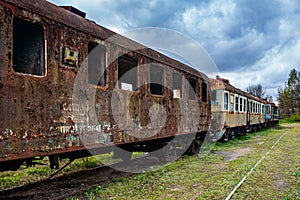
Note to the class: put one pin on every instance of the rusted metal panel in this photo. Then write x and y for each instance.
(37, 112)
(233, 118)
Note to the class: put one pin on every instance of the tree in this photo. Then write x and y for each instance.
(256, 90)
(289, 96)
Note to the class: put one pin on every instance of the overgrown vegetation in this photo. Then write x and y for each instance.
(212, 177)
(292, 119)
(289, 96)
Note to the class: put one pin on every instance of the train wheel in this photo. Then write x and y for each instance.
(195, 147)
(225, 136)
(54, 164)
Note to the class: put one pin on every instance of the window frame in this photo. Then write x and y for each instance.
(44, 47)
(132, 59)
(192, 86)
(236, 103)
(226, 104)
(157, 65)
(105, 64)
(174, 73)
(241, 104)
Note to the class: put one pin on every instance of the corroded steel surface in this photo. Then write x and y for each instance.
(235, 119)
(36, 113)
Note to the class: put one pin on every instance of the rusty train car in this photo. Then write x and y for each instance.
(53, 61)
(236, 112)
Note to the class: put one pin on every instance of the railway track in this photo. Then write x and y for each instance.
(76, 183)
(71, 184)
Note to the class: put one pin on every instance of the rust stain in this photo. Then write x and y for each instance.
(37, 112)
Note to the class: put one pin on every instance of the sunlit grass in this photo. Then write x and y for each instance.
(214, 178)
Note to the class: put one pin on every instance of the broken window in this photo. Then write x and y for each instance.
(177, 85)
(96, 64)
(204, 92)
(192, 89)
(156, 80)
(225, 101)
(28, 47)
(127, 73)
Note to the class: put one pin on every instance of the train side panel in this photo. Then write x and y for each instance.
(38, 115)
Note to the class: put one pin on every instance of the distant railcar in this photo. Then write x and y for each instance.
(43, 49)
(236, 112)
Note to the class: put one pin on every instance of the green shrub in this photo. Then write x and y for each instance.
(293, 119)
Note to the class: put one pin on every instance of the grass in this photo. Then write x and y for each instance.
(277, 177)
(40, 172)
(212, 177)
(292, 119)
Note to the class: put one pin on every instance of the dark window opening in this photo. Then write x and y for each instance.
(28, 47)
(192, 89)
(127, 73)
(236, 104)
(96, 64)
(177, 85)
(156, 80)
(241, 105)
(204, 92)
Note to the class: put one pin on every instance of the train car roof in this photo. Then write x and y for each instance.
(61, 15)
(224, 84)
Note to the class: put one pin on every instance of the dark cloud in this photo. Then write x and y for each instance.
(245, 38)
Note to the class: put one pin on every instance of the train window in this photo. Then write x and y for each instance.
(231, 102)
(225, 101)
(241, 104)
(28, 47)
(236, 103)
(249, 106)
(245, 105)
(204, 92)
(259, 108)
(156, 80)
(127, 73)
(96, 64)
(177, 85)
(192, 89)
(213, 97)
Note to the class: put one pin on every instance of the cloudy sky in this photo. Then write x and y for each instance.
(250, 41)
